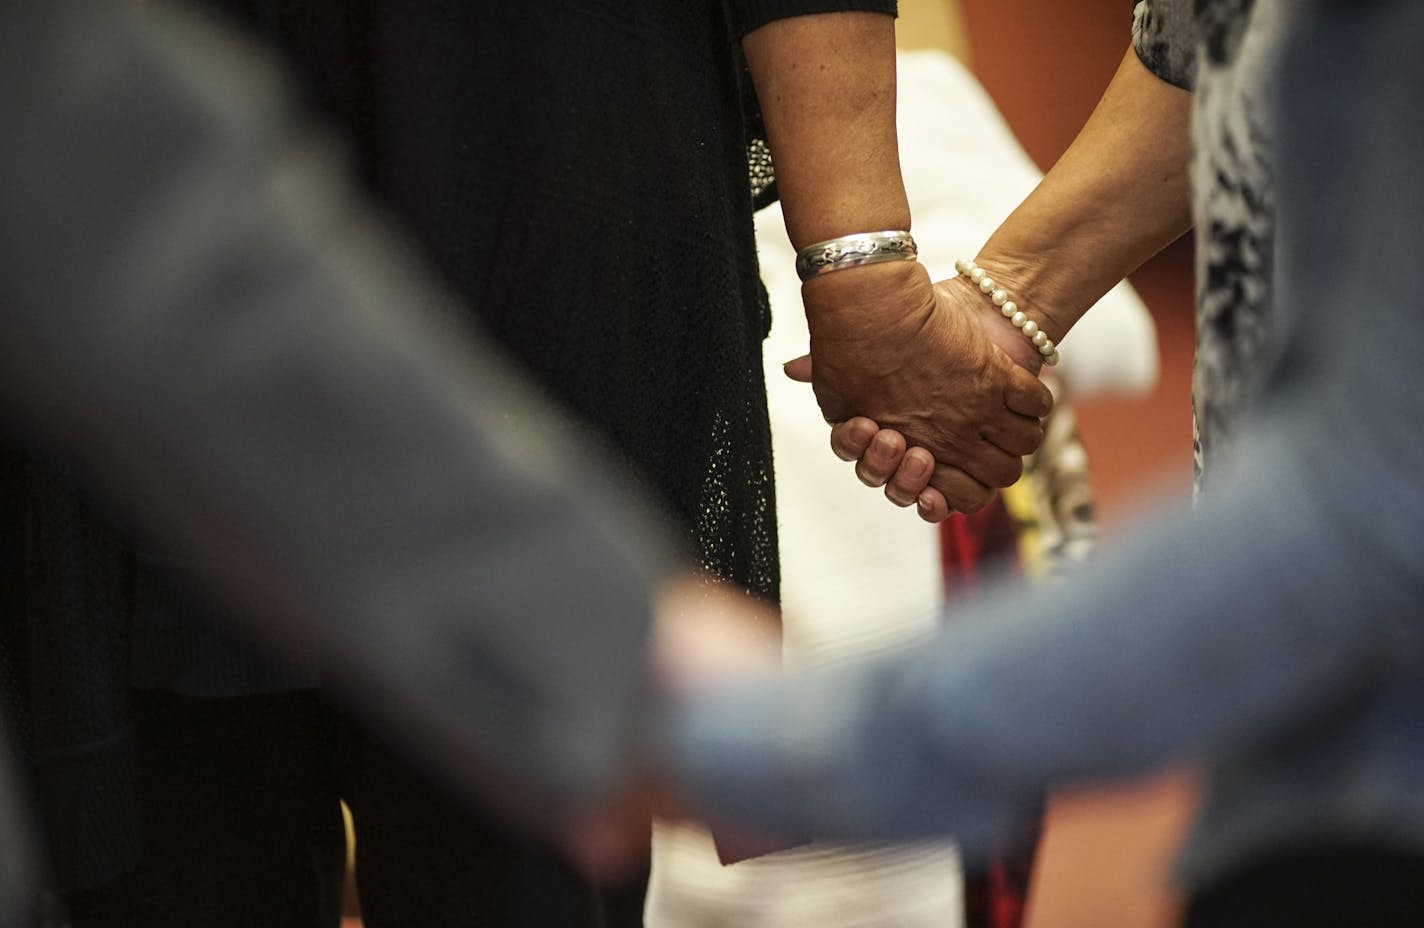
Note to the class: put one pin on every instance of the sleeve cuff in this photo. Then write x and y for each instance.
(750, 15)
(1164, 38)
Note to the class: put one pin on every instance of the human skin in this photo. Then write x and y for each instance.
(1120, 193)
(888, 343)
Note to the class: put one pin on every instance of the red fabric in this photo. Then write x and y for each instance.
(970, 547)
(970, 544)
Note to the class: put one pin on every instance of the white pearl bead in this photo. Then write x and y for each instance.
(1046, 348)
(1052, 360)
(999, 297)
(1009, 308)
(961, 266)
(1030, 328)
(987, 285)
(976, 274)
(1040, 339)
(1018, 319)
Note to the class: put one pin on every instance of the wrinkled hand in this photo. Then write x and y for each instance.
(936, 366)
(882, 458)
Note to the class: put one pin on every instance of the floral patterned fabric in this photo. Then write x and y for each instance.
(1225, 51)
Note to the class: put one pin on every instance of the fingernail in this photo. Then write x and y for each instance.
(922, 504)
(915, 467)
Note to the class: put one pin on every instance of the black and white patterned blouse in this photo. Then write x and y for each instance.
(1226, 52)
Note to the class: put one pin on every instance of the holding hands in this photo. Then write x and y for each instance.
(896, 359)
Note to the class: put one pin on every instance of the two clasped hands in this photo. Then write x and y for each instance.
(932, 393)
(927, 385)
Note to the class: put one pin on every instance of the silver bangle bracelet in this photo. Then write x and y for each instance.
(854, 250)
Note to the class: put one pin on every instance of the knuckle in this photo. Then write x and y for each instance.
(973, 502)
(1011, 472)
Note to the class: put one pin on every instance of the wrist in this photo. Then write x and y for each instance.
(1039, 292)
(995, 292)
(870, 294)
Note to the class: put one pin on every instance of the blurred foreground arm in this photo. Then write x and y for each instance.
(201, 316)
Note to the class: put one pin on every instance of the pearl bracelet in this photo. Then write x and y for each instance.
(1002, 299)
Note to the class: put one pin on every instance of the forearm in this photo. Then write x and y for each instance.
(1202, 639)
(826, 84)
(883, 344)
(1118, 195)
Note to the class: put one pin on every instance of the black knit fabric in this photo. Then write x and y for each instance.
(184, 644)
(14, 714)
(77, 606)
(747, 15)
(579, 171)
(19, 883)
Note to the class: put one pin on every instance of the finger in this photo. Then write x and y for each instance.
(798, 369)
(881, 459)
(910, 478)
(991, 465)
(851, 438)
(1018, 435)
(961, 492)
(1026, 395)
(932, 507)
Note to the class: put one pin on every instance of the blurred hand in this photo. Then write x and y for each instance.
(705, 635)
(936, 366)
